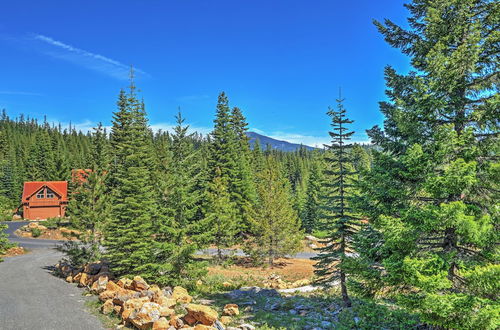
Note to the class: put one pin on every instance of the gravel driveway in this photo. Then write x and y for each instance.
(32, 298)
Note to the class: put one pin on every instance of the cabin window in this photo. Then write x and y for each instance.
(40, 194)
(50, 194)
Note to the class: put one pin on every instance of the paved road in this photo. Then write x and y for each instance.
(32, 298)
(27, 243)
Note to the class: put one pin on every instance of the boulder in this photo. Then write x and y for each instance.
(204, 327)
(92, 268)
(123, 295)
(165, 311)
(161, 324)
(84, 279)
(203, 314)
(246, 326)
(176, 322)
(99, 285)
(226, 319)
(117, 309)
(106, 295)
(146, 316)
(181, 295)
(231, 310)
(125, 283)
(107, 307)
(69, 279)
(112, 286)
(138, 284)
(189, 320)
(167, 302)
(135, 303)
(77, 277)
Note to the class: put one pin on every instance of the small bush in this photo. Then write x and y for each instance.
(371, 315)
(36, 232)
(52, 223)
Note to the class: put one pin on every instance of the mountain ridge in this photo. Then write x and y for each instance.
(274, 143)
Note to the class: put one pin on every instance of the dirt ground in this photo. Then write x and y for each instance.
(54, 234)
(288, 269)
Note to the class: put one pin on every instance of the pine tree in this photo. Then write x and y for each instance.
(175, 238)
(129, 235)
(432, 193)
(339, 220)
(220, 223)
(275, 224)
(242, 186)
(311, 213)
(89, 206)
(4, 241)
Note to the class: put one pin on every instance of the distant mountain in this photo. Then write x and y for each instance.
(275, 144)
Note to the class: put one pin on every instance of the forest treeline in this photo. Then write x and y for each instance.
(413, 219)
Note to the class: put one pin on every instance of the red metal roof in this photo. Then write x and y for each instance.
(59, 187)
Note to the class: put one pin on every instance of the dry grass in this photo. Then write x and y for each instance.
(288, 269)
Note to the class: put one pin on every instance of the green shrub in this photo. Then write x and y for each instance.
(52, 223)
(36, 232)
(371, 315)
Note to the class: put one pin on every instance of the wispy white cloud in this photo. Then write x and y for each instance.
(22, 93)
(85, 58)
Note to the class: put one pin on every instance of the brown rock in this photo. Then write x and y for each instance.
(77, 277)
(165, 311)
(147, 315)
(69, 279)
(92, 268)
(107, 307)
(106, 295)
(181, 295)
(203, 327)
(203, 314)
(167, 302)
(225, 320)
(112, 286)
(189, 319)
(99, 285)
(125, 283)
(226, 284)
(117, 309)
(231, 310)
(123, 295)
(176, 322)
(138, 284)
(161, 324)
(83, 280)
(135, 303)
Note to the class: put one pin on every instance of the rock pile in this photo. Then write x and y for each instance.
(44, 232)
(147, 306)
(274, 281)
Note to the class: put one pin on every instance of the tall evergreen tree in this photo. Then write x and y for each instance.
(275, 224)
(129, 234)
(339, 220)
(311, 213)
(242, 185)
(89, 206)
(175, 238)
(432, 193)
(220, 223)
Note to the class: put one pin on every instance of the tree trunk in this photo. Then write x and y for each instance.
(343, 287)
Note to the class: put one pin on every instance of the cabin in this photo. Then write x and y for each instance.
(44, 199)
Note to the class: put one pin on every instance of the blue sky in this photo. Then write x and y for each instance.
(282, 62)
